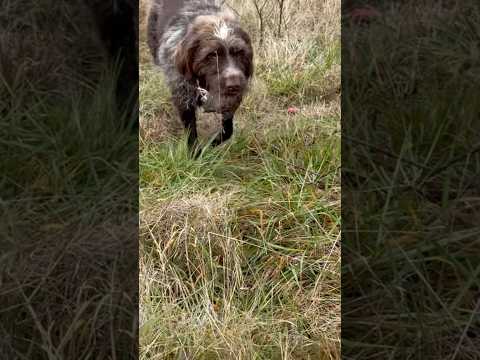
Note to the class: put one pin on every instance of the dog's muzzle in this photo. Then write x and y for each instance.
(207, 102)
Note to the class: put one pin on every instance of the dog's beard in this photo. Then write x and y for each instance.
(211, 102)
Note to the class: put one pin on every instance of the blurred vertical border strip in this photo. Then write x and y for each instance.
(69, 179)
(410, 170)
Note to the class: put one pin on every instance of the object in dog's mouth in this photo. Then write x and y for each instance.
(203, 94)
(206, 100)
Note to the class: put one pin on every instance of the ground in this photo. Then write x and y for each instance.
(240, 249)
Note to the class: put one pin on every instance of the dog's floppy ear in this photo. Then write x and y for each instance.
(184, 57)
(247, 59)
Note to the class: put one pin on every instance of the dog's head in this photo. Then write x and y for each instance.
(216, 54)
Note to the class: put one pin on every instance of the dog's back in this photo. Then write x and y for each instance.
(160, 13)
(167, 14)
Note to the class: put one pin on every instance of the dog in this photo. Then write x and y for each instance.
(206, 56)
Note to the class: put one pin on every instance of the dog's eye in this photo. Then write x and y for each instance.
(237, 52)
(212, 55)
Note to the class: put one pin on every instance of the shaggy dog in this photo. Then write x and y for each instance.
(206, 57)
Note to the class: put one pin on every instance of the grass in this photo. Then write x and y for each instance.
(239, 249)
(410, 184)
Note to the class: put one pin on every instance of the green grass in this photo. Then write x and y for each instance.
(240, 248)
(303, 80)
(241, 242)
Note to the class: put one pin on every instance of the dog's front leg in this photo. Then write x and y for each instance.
(190, 122)
(226, 131)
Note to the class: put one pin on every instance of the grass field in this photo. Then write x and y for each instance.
(240, 249)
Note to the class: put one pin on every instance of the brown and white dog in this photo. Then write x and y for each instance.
(206, 56)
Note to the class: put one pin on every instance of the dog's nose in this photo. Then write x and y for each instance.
(233, 81)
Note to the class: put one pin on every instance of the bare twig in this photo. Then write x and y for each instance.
(259, 9)
(281, 4)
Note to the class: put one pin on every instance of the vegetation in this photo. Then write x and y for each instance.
(240, 249)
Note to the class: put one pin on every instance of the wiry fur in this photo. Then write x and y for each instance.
(202, 49)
